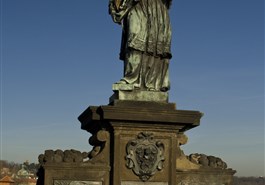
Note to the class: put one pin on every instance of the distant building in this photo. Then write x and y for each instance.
(23, 172)
(24, 177)
(6, 181)
(5, 171)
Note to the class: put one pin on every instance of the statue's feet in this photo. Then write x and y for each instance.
(151, 89)
(122, 81)
(164, 89)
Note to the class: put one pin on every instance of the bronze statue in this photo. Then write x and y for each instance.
(146, 40)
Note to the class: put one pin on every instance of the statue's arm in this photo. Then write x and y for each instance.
(112, 10)
(118, 15)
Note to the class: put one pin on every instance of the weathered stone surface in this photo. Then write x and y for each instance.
(143, 183)
(184, 164)
(145, 156)
(93, 116)
(207, 161)
(137, 95)
(72, 182)
(122, 87)
(87, 173)
(144, 104)
(122, 155)
(205, 177)
(125, 120)
(59, 156)
(182, 139)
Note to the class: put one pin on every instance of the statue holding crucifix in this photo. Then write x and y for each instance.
(146, 41)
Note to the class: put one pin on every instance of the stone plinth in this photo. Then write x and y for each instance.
(205, 177)
(137, 95)
(74, 174)
(143, 139)
(134, 143)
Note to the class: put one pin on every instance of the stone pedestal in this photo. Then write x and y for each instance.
(142, 96)
(74, 174)
(143, 139)
(134, 143)
(205, 177)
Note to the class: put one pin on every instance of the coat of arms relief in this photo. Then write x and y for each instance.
(145, 155)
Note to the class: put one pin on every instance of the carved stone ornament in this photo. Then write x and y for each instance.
(72, 182)
(145, 155)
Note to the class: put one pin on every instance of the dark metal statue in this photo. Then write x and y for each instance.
(146, 40)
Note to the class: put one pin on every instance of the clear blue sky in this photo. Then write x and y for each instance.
(60, 56)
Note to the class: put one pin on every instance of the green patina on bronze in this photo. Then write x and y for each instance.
(146, 42)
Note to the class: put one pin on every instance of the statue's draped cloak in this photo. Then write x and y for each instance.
(145, 47)
(147, 29)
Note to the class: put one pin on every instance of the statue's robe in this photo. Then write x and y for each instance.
(145, 47)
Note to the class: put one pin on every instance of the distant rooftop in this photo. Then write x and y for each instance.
(7, 179)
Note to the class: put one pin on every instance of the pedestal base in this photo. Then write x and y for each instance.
(134, 143)
(143, 139)
(74, 174)
(205, 177)
(148, 96)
